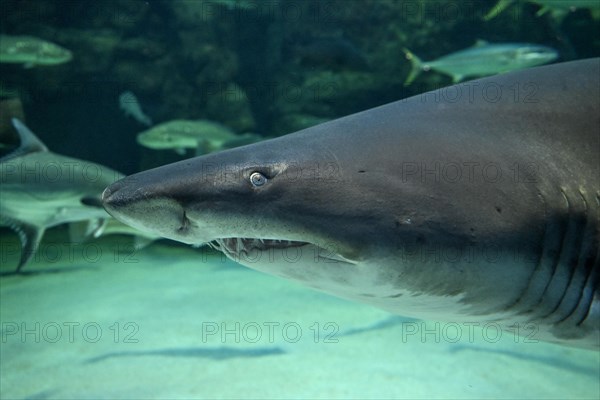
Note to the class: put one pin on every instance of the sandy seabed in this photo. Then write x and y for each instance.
(172, 322)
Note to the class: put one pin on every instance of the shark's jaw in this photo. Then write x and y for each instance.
(252, 249)
(251, 246)
(236, 247)
(245, 228)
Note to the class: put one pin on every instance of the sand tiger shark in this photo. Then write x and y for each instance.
(40, 189)
(477, 202)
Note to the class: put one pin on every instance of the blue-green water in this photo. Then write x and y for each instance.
(176, 323)
(97, 320)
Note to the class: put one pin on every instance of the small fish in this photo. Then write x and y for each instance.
(483, 59)
(130, 105)
(558, 8)
(202, 135)
(31, 51)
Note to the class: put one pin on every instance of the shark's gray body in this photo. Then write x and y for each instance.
(40, 189)
(478, 202)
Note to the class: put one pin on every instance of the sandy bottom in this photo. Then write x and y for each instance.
(172, 322)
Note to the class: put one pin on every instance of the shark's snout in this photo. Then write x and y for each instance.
(106, 194)
(117, 197)
(145, 207)
(110, 198)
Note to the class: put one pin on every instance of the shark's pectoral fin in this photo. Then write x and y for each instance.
(82, 230)
(30, 236)
(140, 242)
(96, 226)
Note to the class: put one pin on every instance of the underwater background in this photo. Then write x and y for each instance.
(106, 318)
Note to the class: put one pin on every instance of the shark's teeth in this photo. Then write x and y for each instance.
(215, 245)
(236, 246)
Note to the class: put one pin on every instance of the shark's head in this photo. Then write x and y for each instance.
(255, 203)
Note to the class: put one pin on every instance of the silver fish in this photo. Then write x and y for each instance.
(483, 59)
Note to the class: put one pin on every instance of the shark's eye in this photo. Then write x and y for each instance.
(257, 179)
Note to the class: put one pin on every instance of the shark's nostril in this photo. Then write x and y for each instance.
(112, 193)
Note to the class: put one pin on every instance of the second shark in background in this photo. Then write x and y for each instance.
(41, 189)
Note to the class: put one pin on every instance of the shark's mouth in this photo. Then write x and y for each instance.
(237, 248)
